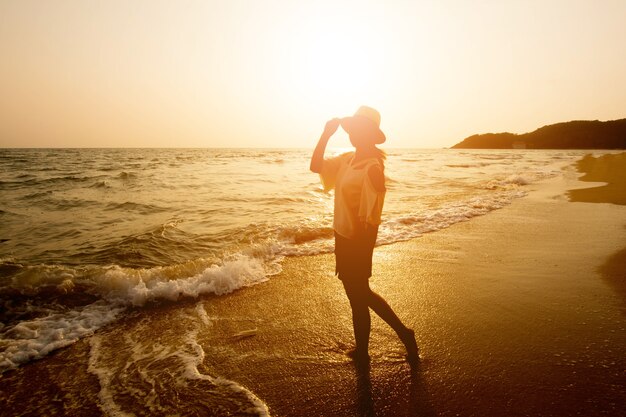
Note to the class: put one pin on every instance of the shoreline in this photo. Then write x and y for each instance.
(510, 309)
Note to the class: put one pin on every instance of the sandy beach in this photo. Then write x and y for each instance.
(520, 313)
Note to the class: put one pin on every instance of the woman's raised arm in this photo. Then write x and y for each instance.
(318, 154)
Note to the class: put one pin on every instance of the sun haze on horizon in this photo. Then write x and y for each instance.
(269, 74)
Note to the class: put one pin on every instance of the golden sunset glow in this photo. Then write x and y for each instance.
(248, 73)
(335, 63)
(312, 207)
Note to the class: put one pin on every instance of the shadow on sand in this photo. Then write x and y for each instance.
(614, 272)
(419, 404)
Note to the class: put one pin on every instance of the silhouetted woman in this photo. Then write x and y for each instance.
(359, 182)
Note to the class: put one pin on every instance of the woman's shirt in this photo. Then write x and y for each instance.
(357, 201)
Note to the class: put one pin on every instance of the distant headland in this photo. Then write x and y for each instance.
(577, 134)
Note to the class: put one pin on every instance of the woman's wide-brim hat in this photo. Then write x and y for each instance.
(366, 121)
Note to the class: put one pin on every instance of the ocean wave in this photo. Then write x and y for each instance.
(36, 195)
(100, 184)
(22, 176)
(138, 287)
(34, 181)
(501, 156)
(517, 180)
(34, 339)
(412, 226)
(132, 362)
(127, 175)
(72, 178)
(117, 288)
(302, 234)
(163, 245)
(274, 161)
(469, 165)
(511, 181)
(243, 154)
(68, 203)
(136, 207)
(7, 213)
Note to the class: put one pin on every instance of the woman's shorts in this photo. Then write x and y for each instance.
(353, 257)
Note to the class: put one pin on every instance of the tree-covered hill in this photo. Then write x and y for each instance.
(578, 134)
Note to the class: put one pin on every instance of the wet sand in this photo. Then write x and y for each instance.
(517, 313)
(609, 169)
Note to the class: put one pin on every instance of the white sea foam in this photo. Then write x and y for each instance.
(517, 180)
(149, 370)
(105, 376)
(138, 287)
(196, 357)
(202, 314)
(412, 226)
(36, 338)
(119, 289)
(514, 181)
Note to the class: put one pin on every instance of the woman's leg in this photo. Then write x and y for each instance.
(361, 299)
(385, 312)
(357, 291)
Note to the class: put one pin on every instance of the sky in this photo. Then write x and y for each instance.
(248, 73)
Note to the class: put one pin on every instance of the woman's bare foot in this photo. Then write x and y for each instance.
(359, 356)
(408, 338)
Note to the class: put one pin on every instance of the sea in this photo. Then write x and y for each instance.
(88, 235)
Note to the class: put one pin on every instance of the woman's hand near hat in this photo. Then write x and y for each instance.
(318, 154)
(331, 127)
